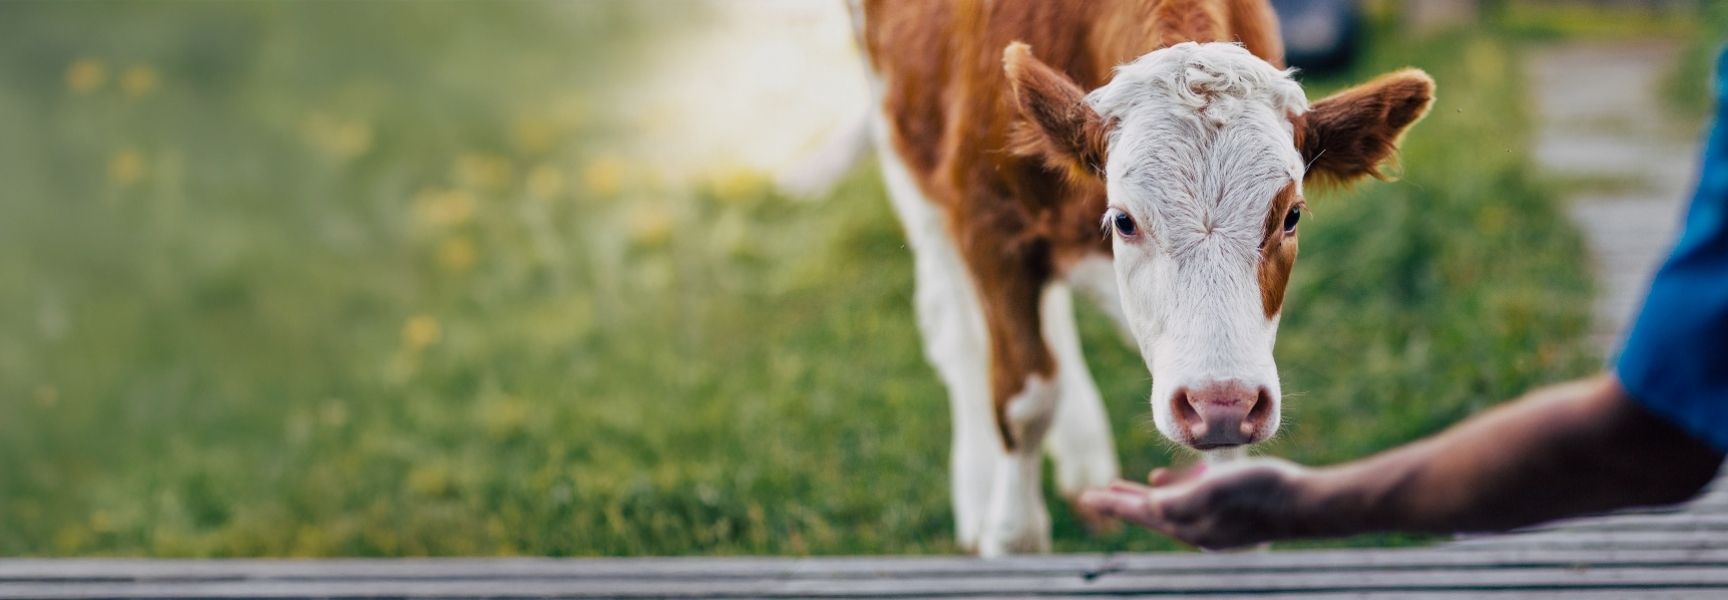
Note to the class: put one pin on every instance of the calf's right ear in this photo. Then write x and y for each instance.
(1056, 123)
(1347, 136)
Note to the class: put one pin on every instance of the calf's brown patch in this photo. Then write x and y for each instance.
(1277, 251)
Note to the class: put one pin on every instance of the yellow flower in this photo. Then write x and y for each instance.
(421, 331)
(735, 186)
(650, 226)
(604, 176)
(545, 182)
(444, 207)
(429, 480)
(1492, 219)
(570, 110)
(334, 413)
(86, 75)
(47, 395)
(338, 138)
(456, 255)
(101, 521)
(126, 168)
(138, 81)
(534, 135)
(505, 417)
(483, 170)
(351, 139)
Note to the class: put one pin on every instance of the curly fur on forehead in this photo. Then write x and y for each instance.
(1217, 80)
(1203, 143)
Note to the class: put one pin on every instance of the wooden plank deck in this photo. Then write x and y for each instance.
(1675, 552)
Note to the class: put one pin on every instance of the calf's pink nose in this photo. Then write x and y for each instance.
(1221, 415)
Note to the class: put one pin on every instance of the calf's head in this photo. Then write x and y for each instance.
(1203, 150)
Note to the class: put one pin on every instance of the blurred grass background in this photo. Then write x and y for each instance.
(318, 279)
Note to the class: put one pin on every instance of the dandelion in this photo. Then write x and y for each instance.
(505, 417)
(138, 81)
(429, 480)
(47, 395)
(488, 171)
(86, 75)
(650, 226)
(444, 207)
(534, 135)
(420, 331)
(71, 538)
(545, 182)
(334, 413)
(350, 139)
(570, 110)
(603, 176)
(456, 255)
(126, 168)
(737, 186)
(101, 521)
(1493, 219)
(342, 139)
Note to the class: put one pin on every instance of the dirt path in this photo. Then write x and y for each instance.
(1602, 121)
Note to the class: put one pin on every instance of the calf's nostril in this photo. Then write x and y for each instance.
(1187, 414)
(1260, 413)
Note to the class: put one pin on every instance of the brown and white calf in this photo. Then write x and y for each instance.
(1192, 145)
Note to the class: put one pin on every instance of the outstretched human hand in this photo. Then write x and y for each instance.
(1212, 507)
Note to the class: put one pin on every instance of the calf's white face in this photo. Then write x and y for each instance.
(1203, 150)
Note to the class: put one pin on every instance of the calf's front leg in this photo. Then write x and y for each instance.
(1025, 392)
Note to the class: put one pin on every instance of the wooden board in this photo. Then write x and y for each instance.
(1455, 571)
(1676, 552)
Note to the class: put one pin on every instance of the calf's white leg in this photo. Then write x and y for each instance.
(1018, 523)
(952, 324)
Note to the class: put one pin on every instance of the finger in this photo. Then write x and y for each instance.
(1122, 485)
(1167, 476)
(1160, 476)
(1129, 505)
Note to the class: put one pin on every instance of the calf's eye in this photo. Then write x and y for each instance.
(1123, 223)
(1291, 218)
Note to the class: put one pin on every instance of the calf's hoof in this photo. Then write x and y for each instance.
(1029, 537)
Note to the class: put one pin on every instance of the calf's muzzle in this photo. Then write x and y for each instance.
(1222, 414)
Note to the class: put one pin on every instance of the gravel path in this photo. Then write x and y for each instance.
(1602, 121)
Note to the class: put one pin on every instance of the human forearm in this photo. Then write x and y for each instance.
(1570, 449)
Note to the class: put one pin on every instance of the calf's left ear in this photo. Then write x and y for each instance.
(1348, 135)
(1057, 123)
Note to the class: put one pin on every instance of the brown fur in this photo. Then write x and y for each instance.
(1277, 251)
(1059, 127)
(1347, 136)
(1256, 27)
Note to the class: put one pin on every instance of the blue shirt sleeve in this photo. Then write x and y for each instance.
(1675, 359)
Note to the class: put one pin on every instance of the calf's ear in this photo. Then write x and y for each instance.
(1348, 135)
(1056, 123)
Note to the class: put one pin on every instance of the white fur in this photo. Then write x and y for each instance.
(955, 342)
(1202, 145)
(1017, 522)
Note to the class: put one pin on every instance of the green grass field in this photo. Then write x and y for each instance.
(325, 279)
